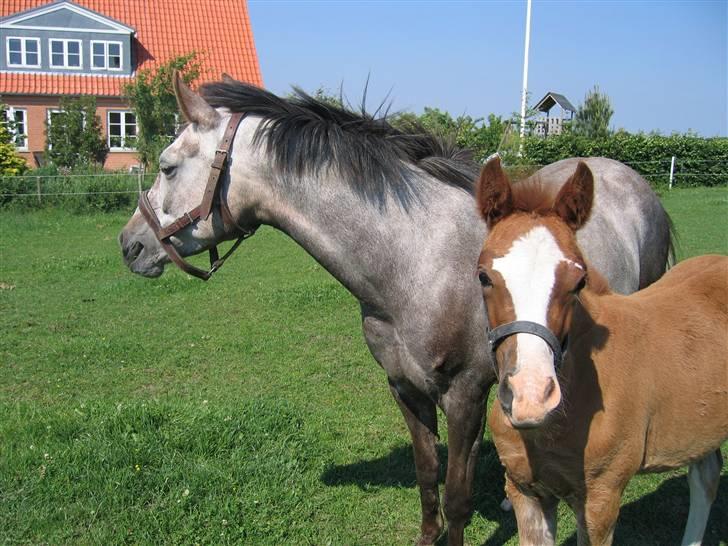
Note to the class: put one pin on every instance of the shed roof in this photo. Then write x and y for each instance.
(218, 30)
(551, 99)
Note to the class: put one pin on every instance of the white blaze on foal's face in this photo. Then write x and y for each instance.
(529, 272)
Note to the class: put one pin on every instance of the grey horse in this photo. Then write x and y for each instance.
(390, 213)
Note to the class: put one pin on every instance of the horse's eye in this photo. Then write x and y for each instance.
(580, 285)
(168, 170)
(484, 279)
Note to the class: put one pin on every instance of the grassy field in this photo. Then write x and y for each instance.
(246, 410)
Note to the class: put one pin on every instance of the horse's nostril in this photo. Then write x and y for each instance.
(132, 252)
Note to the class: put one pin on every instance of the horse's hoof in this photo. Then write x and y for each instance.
(506, 505)
(430, 537)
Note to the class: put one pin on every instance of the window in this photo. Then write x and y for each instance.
(122, 130)
(51, 114)
(18, 126)
(65, 53)
(105, 55)
(23, 52)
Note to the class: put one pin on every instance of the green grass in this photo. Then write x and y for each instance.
(245, 410)
(700, 216)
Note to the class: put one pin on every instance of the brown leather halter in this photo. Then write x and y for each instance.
(202, 211)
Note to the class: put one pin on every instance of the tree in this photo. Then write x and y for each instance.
(592, 117)
(151, 96)
(480, 135)
(74, 135)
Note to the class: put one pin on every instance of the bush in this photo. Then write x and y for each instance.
(699, 161)
(10, 161)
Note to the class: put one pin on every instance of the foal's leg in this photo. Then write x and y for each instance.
(420, 415)
(597, 516)
(703, 477)
(536, 516)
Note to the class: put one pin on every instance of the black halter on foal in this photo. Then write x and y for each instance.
(202, 211)
(498, 334)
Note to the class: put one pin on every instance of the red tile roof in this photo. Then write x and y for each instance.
(219, 30)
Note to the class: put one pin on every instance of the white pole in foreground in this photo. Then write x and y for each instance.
(672, 170)
(525, 76)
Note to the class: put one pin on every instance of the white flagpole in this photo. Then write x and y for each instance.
(525, 74)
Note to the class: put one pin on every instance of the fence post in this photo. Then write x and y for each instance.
(672, 170)
(140, 175)
(37, 185)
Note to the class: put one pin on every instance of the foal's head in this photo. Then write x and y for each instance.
(531, 270)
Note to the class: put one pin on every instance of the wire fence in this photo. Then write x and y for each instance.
(79, 192)
(113, 191)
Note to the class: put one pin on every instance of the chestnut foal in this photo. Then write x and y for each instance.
(595, 387)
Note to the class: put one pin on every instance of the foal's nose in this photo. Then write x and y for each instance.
(527, 399)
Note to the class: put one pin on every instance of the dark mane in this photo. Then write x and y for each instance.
(306, 134)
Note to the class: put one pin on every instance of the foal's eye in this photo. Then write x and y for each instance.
(484, 279)
(168, 170)
(580, 285)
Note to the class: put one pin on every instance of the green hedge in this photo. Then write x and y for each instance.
(81, 190)
(698, 161)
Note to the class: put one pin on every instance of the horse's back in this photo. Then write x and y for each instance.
(699, 281)
(628, 236)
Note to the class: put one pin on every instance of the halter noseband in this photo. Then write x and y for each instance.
(202, 211)
(498, 334)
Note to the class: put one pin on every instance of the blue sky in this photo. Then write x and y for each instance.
(663, 64)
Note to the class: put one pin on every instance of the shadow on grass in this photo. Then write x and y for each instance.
(659, 517)
(656, 518)
(397, 469)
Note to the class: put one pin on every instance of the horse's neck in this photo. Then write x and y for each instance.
(382, 248)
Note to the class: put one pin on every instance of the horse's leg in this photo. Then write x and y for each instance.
(420, 415)
(536, 516)
(703, 477)
(465, 420)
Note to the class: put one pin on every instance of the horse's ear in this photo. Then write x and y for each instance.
(574, 201)
(227, 78)
(193, 107)
(493, 193)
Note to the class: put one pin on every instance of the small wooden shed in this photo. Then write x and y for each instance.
(552, 124)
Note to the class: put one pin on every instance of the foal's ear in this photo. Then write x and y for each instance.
(193, 107)
(493, 193)
(574, 201)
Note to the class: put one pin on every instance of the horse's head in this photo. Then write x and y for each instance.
(532, 271)
(185, 167)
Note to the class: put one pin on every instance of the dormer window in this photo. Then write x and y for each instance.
(65, 53)
(23, 52)
(106, 55)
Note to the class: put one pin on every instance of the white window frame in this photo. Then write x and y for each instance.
(65, 42)
(106, 66)
(10, 115)
(123, 147)
(23, 52)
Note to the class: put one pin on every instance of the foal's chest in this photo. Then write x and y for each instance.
(536, 462)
